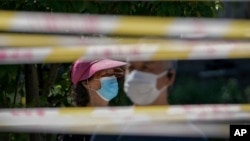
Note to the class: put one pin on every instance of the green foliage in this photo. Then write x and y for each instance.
(210, 91)
(13, 137)
(231, 93)
(12, 85)
(59, 92)
(157, 8)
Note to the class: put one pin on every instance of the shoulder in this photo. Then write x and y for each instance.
(100, 137)
(72, 137)
(158, 138)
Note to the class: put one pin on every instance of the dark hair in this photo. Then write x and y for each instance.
(81, 95)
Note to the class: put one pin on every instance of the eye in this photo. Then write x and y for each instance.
(104, 74)
(101, 74)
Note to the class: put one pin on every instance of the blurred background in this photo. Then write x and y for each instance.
(197, 82)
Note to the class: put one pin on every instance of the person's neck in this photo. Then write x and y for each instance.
(95, 104)
(97, 101)
(162, 99)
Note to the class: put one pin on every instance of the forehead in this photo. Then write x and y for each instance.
(155, 67)
(111, 70)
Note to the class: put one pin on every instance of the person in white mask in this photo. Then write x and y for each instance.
(147, 83)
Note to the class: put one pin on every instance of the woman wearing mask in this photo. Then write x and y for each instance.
(96, 81)
(95, 84)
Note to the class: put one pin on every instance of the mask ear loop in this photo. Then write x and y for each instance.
(89, 86)
(163, 89)
(162, 74)
(159, 76)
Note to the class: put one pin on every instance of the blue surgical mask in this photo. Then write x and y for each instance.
(109, 88)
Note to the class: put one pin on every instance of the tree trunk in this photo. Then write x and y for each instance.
(50, 81)
(4, 137)
(31, 86)
(32, 93)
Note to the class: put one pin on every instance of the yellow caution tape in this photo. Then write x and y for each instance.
(123, 25)
(170, 50)
(209, 119)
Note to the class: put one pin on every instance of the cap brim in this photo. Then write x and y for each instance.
(105, 64)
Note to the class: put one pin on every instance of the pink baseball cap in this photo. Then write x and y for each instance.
(82, 70)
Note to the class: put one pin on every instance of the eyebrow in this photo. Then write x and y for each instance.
(107, 72)
(104, 72)
(141, 67)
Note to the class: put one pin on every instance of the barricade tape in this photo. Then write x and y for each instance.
(172, 50)
(209, 119)
(211, 130)
(32, 40)
(123, 25)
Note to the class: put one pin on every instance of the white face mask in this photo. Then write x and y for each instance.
(140, 87)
